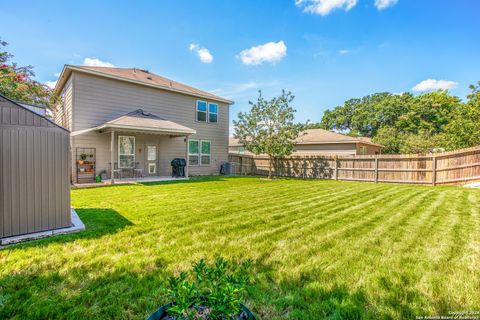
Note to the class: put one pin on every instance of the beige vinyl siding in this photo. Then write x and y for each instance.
(168, 148)
(370, 149)
(34, 172)
(326, 148)
(234, 149)
(63, 114)
(97, 100)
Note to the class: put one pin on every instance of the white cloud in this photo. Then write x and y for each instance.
(383, 4)
(343, 51)
(94, 62)
(238, 90)
(324, 7)
(51, 84)
(268, 52)
(203, 53)
(57, 74)
(432, 84)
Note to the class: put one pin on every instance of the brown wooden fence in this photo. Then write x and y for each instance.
(459, 166)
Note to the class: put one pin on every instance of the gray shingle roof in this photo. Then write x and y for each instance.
(144, 121)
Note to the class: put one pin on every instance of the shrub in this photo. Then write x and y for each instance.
(215, 290)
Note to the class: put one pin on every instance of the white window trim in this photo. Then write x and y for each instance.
(197, 111)
(200, 154)
(207, 112)
(193, 154)
(208, 115)
(154, 165)
(148, 152)
(205, 154)
(119, 138)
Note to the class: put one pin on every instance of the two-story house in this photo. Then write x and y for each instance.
(127, 121)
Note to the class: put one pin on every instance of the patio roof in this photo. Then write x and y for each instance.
(141, 121)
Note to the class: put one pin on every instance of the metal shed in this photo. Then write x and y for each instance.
(34, 172)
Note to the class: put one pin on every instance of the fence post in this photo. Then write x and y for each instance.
(336, 167)
(241, 165)
(304, 168)
(376, 169)
(434, 171)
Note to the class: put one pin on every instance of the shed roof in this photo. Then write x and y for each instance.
(138, 76)
(7, 101)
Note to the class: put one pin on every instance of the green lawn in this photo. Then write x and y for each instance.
(320, 249)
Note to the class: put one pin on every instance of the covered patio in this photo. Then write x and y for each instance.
(142, 145)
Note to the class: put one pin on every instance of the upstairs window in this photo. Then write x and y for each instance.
(212, 112)
(201, 111)
(363, 150)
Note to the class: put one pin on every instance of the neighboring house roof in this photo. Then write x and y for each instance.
(140, 120)
(233, 142)
(320, 136)
(316, 136)
(138, 76)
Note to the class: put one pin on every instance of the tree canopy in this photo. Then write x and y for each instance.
(17, 82)
(407, 123)
(269, 128)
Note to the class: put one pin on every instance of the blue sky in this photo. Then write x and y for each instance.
(324, 51)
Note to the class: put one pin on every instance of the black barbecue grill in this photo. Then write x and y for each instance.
(178, 167)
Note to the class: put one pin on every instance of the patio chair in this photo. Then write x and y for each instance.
(116, 170)
(138, 171)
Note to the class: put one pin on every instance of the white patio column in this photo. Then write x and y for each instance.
(186, 157)
(112, 157)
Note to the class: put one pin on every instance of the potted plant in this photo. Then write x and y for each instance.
(207, 292)
(83, 157)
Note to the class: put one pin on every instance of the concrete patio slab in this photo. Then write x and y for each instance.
(127, 181)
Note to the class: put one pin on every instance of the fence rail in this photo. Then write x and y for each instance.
(459, 166)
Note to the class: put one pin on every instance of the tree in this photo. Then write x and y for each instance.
(429, 112)
(365, 116)
(390, 139)
(269, 128)
(401, 122)
(17, 83)
(421, 142)
(463, 130)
